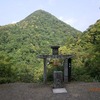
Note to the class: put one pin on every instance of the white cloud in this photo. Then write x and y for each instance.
(70, 21)
(74, 23)
(80, 24)
(61, 18)
(14, 22)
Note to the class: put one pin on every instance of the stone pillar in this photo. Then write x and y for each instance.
(45, 70)
(66, 70)
(58, 79)
(69, 69)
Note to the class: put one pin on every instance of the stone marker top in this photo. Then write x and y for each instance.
(55, 50)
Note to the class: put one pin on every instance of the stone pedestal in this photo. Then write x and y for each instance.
(58, 79)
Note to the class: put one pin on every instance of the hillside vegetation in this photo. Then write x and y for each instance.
(21, 43)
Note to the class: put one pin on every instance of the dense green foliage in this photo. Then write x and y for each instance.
(92, 40)
(21, 43)
(86, 48)
(6, 69)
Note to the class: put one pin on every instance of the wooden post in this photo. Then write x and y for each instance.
(66, 70)
(45, 70)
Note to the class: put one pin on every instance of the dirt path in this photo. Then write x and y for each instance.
(31, 91)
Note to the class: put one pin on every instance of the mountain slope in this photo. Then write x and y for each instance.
(44, 19)
(40, 29)
(32, 36)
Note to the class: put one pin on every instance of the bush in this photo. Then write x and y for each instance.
(6, 80)
(25, 75)
(6, 70)
(93, 68)
(80, 74)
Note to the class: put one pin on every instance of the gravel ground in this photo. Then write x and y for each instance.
(33, 91)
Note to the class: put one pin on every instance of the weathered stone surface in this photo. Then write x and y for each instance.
(58, 79)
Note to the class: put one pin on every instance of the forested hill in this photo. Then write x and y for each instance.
(21, 43)
(46, 22)
(40, 29)
(91, 43)
(34, 35)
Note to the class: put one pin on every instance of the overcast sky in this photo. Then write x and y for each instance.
(80, 14)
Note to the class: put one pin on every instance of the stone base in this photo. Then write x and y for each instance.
(59, 90)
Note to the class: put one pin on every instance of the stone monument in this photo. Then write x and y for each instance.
(58, 76)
